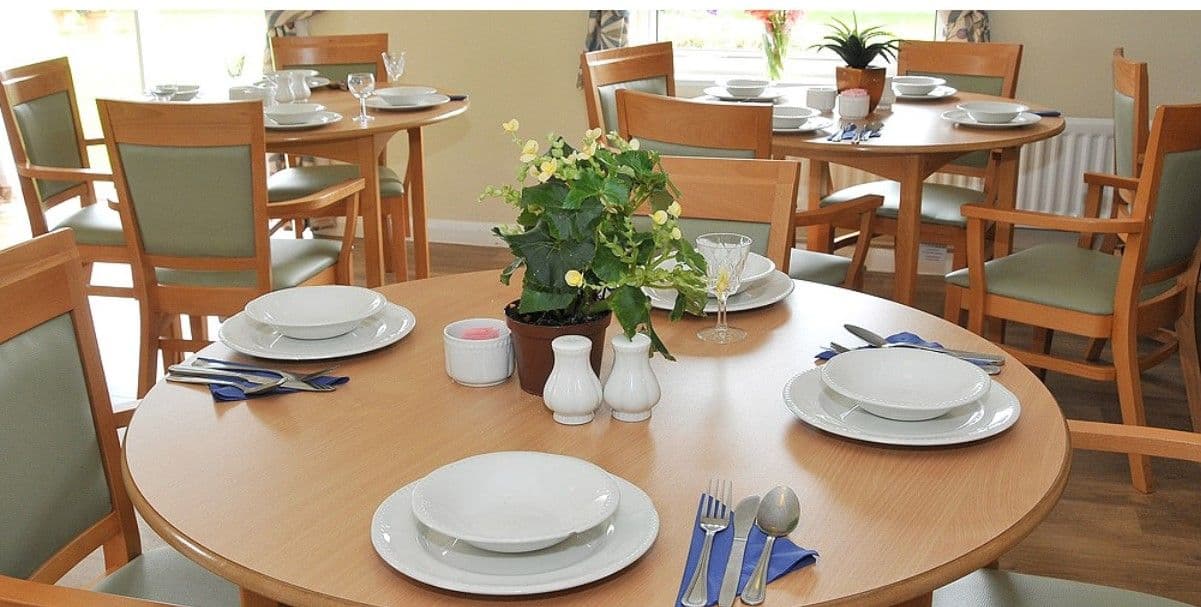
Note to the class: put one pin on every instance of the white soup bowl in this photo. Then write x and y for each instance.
(916, 85)
(294, 113)
(318, 312)
(992, 112)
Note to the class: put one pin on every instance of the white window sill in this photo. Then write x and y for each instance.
(698, 68)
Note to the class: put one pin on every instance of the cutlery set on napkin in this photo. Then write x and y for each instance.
(856, 134)
(990, 363)
(233, 381)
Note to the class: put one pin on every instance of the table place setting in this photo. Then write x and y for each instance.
(173, 92)
(514, 523)
(786, 119)
(921, 88)
(745, 90)
(991, 115)
(315, 323)
(747, 280)
(407, 98)
(290, 116)
(234, 381)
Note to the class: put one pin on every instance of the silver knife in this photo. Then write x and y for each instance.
(879, 342)
(254, 379)
(744, 520)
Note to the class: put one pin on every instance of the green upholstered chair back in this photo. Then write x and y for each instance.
(1176, 221)
(337, 72)
(649, 68)
(1123, 134)
(333, 56)
(608, 95)
(1130, 108)
(47, 129)
(51, 469)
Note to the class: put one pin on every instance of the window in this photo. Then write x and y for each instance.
(719, 43)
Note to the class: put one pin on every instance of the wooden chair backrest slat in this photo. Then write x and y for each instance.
(721, 127)
(613, 66)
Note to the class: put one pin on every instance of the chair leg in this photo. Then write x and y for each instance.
(298, 227)
(1130, 397)
(952, 307)
(1096, 345)
(398, 211)
(174, 357)
(1190, 366)
(152, 325)
(1040, 341)
(198, 327)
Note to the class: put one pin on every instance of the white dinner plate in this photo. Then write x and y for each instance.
(905, 383)
(769, 95)
(317, 82)
(244, 335)
(961, 118)
(815, 404)
(316, 312)
(939, 92)
(766, 292)
(426, 101)
(321, 119)
(815, 123)
(756, 268)
(435, 559)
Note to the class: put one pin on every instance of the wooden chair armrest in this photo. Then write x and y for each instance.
(1118, 438)
(1052, 221)
(1109, 180)
(840, 211)
(25, 593)
(93, 140)
(36, 171)
(299, 207)
(114, 204)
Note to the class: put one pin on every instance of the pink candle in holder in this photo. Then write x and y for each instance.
(854, 104)
(480, 333)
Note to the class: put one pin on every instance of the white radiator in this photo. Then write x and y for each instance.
(1050, 174)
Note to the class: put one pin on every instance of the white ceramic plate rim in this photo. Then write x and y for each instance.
(961, 118)
(816, 123)
(575, 518)
(409, 90)
(769, 94)
(323, 118)
(273, 308)
(316, 82)
(773, 289)
(803, 395)
(394, 532)
(396, 322)
(435, 99)
(939, 92)
(748, 280)
(951, 382)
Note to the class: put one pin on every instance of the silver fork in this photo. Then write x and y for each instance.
(228, 366)
(715, 516)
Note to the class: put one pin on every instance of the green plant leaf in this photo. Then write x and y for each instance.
(552, 194)
(607, 266)
(535, 299)
(507, 273)
(547, 258)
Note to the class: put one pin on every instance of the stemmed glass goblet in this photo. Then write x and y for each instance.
(361, 85)
(725, 255)
(394, 62)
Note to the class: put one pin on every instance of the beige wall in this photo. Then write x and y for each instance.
(1066, 55)
(514, 64)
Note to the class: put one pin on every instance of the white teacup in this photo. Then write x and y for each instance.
(294, 113)
(479, 351)
(241, 93)
(821, 98)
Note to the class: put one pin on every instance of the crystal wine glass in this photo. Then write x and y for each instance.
(394, 62)
(725, 255)
(361, 85)
(235, 62)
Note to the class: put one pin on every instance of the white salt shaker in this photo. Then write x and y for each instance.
(632, 389)
(573, 391)
(853, 104)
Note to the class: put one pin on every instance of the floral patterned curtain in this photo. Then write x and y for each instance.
(965, 26)
(606, 29)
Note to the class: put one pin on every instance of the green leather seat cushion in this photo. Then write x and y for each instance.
(293, 261)
(818, 267)
(1063, 276)
(302, 181)
(940, 202)
(995, 588)
(95, 224)
(165, 575)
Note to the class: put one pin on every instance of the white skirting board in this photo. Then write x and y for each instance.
(449, 231)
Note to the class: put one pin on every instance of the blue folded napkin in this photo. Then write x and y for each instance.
(231, 393)
(785, 556)
(903, 338)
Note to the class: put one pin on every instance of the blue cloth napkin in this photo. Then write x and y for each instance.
(785, 556)
(231, 393)
(902, 338)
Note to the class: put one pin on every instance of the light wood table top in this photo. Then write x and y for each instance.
(386, 121)
(277, 494)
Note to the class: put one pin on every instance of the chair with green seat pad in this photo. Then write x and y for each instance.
(976, 67)
(194, 206)
(1149, 290)
(683, 127)
(41, 115)
(998, 588)
(64, 495)
(1131, 90)
(649, 68)
(757, 198)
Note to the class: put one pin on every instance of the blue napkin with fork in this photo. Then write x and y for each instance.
(785, 556)
(231, 393)
(903, 337)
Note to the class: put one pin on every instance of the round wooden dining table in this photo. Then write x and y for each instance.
(914, 143)
(277, 494)
(347, 141)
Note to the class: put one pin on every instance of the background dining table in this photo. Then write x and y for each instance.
(277, 494)
(347, 141)
(914, 143)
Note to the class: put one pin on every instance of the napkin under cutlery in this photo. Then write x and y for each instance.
(232, 393)
(785, 557)
(905, 337)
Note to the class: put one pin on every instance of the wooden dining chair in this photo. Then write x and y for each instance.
(649, 68)
(64, 494)
(1148, 290)
(192, 185)
(1130, 131)
(999, 588)
(41, 116)
(758, 198)
(335, 57)
(683, 127)
(979, 67)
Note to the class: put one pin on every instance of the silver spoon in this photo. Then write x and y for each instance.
(779, 513)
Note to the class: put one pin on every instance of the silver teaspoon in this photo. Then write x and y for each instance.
(779, 513)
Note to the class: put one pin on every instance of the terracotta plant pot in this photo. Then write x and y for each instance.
(531, 346)
(870, 79)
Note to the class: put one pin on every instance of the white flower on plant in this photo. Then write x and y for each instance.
(674, 209)
(510, 126)
(547, 169)
(511, 229)
(533, 171)
(634, 145)
(530, 151)
(592, 134)
(659, 217)
(676, 234)
(573, 278)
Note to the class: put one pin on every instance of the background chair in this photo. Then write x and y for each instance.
(681, 127)
(996, 588)
(191, 180)
(977, 67)
(335, 57)
(1145, 291)
(649, 68)
(64, 496)
(41, 116)
(758, 198)
(1130, 132)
